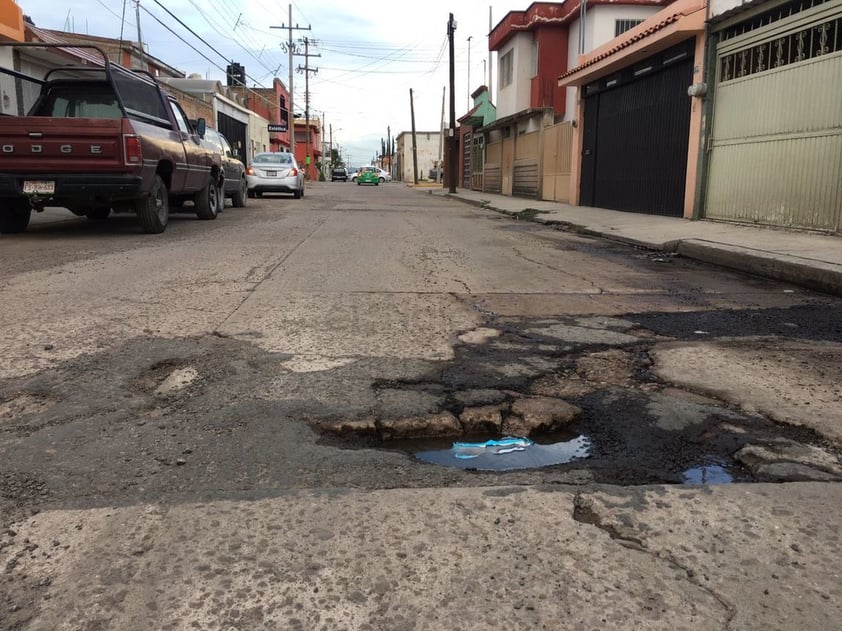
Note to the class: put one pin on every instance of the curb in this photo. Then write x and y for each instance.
(816, 275)
(811, 274)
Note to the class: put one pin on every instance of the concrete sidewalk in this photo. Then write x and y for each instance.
(803, 258)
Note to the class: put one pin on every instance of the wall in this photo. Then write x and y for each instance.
(427, 152)
(552, 62)
(8, 104)
(515, 97)
(258, 135)
(11, 21)
(194, 107)
(601, 27)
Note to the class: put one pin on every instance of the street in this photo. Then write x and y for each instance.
(216, 427)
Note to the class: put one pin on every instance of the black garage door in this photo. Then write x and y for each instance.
(635, 136)
(236, 133)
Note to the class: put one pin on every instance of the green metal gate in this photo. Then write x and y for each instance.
(776, 141)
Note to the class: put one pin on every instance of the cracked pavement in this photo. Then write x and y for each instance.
(165, 459)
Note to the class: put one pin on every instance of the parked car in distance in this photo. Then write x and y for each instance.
(274, 173)
(339, 173)
(380, 175)
(236, 186)
(368, 175)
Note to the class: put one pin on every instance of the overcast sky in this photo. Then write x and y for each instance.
(372, 53)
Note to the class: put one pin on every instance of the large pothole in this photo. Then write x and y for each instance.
(592, 379)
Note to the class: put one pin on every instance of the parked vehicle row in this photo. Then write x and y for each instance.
(103, 139)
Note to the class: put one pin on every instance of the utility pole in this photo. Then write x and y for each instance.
(414, 146)
(440, 164)
(451, 132)
(307, 70)
(139, 36)
(469, 70)
(290, 47)
(490, 82)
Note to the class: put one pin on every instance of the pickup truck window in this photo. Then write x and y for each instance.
(142, 100)
(70, 102)
(180, 120)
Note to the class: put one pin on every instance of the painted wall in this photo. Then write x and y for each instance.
(258, 135)
(427, 151)
(552, 62)
(11, 21)
(515, 97)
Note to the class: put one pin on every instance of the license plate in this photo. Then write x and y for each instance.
(271, 173)
(39, 187)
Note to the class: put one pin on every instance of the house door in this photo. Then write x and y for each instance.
(636, 134)
(776, 139)
(466, 160)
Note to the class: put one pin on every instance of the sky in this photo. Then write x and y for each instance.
(370, 54)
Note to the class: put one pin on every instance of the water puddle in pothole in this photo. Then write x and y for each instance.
(507, 454)
(709, 473)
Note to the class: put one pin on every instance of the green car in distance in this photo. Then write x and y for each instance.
(368, 175)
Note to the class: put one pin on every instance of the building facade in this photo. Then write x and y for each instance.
(527, 147)
(428, 153)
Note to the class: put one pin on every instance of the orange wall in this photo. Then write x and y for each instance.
(11, 21)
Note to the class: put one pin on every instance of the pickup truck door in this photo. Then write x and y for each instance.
(196, 166)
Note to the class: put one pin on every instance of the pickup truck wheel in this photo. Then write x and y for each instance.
(153, 212)
(98, 213)
(238, 200)
(207, 201)
(14, 217)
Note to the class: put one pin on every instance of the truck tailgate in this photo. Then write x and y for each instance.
(36, 144)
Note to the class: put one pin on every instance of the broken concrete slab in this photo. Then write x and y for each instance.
(487, 419)
(429, 426)
(783, 450)
(533, 415)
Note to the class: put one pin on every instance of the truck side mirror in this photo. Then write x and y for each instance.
(201, 126)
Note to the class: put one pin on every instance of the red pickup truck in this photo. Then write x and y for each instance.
(104, 139)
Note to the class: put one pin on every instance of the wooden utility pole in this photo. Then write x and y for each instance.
(414, 148)
(306, 69)
(290, 47)
(440, 164)
(452, 145)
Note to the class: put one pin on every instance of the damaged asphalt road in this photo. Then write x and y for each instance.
(230, 444)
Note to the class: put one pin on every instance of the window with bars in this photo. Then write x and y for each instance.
(621, 26)
(808, 43)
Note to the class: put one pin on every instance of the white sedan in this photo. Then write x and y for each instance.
(274, 173)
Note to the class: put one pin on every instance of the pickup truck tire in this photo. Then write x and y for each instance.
(220, 196)
(238, 199)
(207, 201)
(153, 212)
(15, 216)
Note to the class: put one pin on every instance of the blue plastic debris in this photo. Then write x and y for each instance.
(466, 451)
(508, 454)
